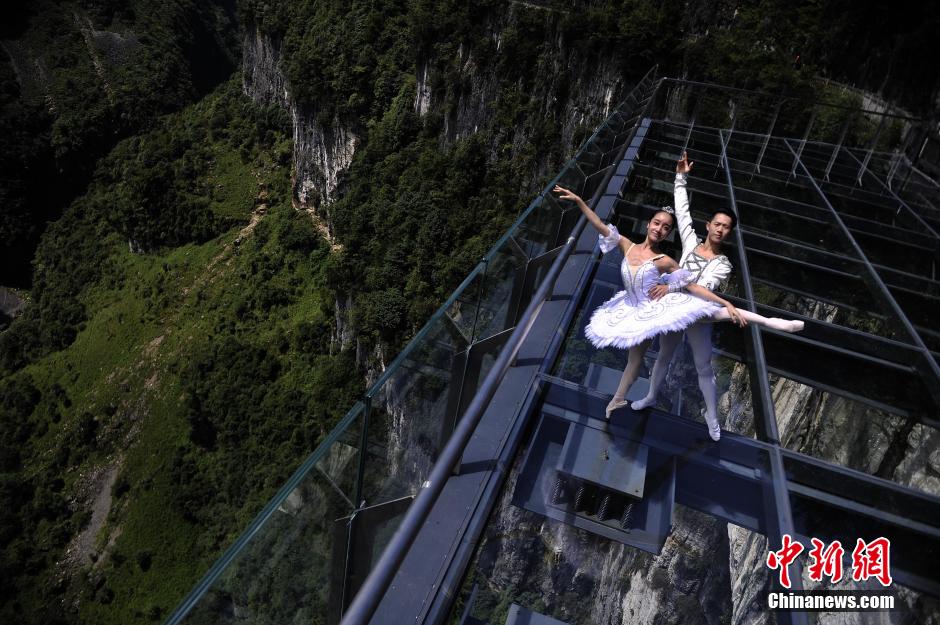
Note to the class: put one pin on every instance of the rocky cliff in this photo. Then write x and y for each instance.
(567, 89)
(322, 152)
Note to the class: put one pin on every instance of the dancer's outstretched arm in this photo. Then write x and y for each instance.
(592, 217)
(729, 312)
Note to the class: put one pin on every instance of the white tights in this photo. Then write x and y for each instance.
(632, 370)
(700, 340)
(786, 325)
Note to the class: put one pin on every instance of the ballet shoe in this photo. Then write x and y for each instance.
(714, 429)
(714, 433)
(640, 404)
(614, 405)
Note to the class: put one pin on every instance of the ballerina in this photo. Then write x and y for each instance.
(631, 318)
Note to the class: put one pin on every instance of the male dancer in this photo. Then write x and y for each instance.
(710, 268)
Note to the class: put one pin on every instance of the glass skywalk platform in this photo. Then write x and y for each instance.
(554, 515)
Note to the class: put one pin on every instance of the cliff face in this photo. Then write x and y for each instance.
(321, 152)
(566, 90)
(556, 105)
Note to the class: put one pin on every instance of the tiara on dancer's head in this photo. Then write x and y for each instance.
(668, 209)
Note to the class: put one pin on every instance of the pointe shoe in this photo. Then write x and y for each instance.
(640, 404)
(714, 433)
(714, 429)
(614, 405)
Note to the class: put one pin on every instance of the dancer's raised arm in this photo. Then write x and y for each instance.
(681, 198)
(592, 217)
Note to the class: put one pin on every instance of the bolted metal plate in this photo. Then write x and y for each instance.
(594, 456)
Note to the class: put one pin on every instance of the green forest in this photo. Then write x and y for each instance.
(179, 354)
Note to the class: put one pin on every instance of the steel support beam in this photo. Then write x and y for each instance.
(880, 290)
(781, 520)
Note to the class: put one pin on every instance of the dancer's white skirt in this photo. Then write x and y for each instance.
(619, 323)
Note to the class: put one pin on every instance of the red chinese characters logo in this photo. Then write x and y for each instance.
(869, 560)
(784, 557)
(872, 560)
(825, 560)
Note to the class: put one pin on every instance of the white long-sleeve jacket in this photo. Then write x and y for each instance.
(709, 273)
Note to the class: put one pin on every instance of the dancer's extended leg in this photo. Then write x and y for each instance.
(630, 374)
(667, 347)
(786, 325)
(700, 340)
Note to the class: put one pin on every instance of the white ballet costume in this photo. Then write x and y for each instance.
(631, 317)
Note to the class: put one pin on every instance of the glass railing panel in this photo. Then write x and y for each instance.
(642, 189)
(753, 114)
(836, 125)
(412, 413)
(879, 163)
(773, 186)
(500, 295)
(902, 255)
(463, 310)
(743, 148)
(818, 159)
(540, 231)
(579, 361)
(293, 566)
(703, 140)
(847, 170)
(573, 178)
(715, 110)
(794, 117)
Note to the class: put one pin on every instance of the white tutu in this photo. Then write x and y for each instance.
(620, 323)
(630, 317)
